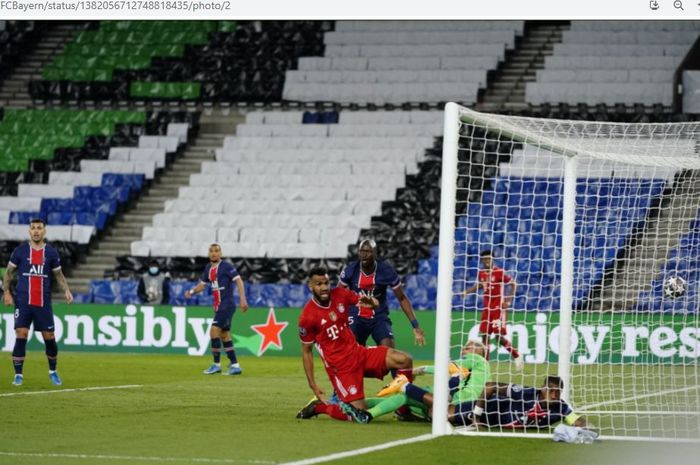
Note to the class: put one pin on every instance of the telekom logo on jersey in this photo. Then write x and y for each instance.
(333, 332)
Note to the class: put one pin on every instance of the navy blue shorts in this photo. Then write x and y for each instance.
(223, 317)
(42, 317)
(378, 328)
(463, 414)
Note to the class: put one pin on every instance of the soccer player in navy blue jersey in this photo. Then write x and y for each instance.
(36, 263)
(372, 277)
(222, 276)
(514, 406)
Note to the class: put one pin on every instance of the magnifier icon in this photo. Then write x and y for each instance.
(678, 5)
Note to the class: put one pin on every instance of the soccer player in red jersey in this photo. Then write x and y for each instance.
(493, 280)
(324, 323)
(36, 263)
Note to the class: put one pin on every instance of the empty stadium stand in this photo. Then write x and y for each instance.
(295, 163)
(79, 181)
(293, 190)
(178, 60)
(620, 62)
(391, 62)
(682, 261)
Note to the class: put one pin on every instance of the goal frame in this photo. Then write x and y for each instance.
(455, 114)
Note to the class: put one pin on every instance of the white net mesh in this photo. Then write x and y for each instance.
(634, 349)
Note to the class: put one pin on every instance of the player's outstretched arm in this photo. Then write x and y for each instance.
(407, 308)
(195, 290)
(241, 294)
(61, 280)
(471, 289)
(511, 294)
(6, 283)
(307, 357)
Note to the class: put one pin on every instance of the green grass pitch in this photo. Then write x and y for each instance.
(178, 415)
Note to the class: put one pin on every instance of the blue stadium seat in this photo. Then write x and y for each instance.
(265, 295)
(25, 217)
(114, 292)
(296, 295)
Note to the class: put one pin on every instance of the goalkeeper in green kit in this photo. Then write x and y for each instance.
(468, 376)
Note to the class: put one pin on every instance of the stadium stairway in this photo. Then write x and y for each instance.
(646, 256)
(128, 227)
(14, 91)
(508, 89)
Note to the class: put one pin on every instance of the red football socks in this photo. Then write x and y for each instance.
(333, 411)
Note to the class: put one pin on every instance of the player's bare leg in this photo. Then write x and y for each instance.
(398, 360)
(391, 343)
(512, 350)
(485, 339)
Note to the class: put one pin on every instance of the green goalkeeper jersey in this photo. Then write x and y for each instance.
(469, 388)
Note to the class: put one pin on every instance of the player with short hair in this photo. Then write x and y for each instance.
(511, 405)
(324, 322)
(36, 263)
(221, 275)
(372, 277)
(493, 280)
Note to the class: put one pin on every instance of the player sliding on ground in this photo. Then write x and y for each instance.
(324, 322)
(493, 281)
(468, 376)
(515, 406)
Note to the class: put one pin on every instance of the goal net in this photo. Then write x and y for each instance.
(589, 221)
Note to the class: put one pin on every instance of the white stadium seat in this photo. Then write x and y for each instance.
(25, 203)
(614, 62)
(278, 180)
(169, 143)
(75, 178)
(179, 130)
(55, 191)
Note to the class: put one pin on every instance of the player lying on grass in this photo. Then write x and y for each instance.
(508, 405)
(468, 376)
(324, 323)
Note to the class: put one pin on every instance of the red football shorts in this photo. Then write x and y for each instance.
(348, 381)
(493, 319)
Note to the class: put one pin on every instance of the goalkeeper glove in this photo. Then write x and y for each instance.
(456, 370)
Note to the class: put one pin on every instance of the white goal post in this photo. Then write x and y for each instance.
(589, 219)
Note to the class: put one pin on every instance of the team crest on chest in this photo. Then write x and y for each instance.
(332, 316)
(341, 308)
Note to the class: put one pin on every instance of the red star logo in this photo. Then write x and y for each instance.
(270, 332)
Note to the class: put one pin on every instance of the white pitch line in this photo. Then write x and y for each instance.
(643, 396)
(130, 458)
(364, 450)
(641, 412)
(59, 391)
